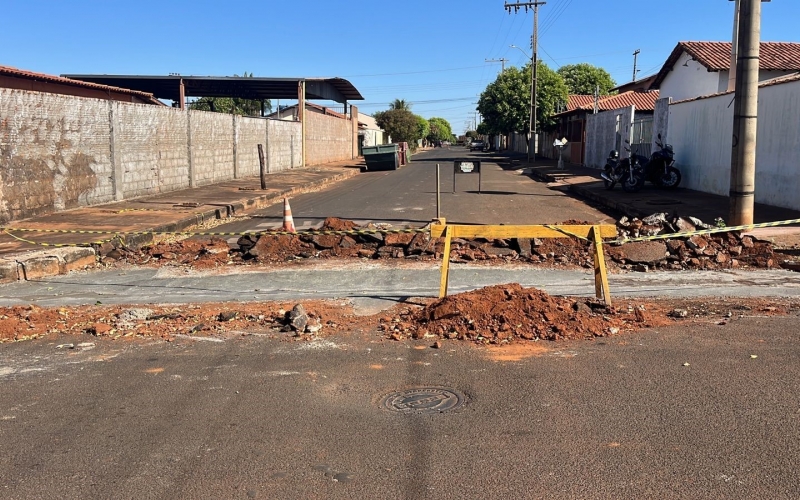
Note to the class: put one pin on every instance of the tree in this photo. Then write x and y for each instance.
(440, 130)
(584, 78)
(400, 104)
(505, 104)
(423, 127)
(231, 105)
(401, 124)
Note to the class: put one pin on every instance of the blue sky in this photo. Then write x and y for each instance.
(430, 53)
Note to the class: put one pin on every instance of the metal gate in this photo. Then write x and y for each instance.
(642, 137)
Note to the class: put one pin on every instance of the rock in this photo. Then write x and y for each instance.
(297, 318)
(421, 242)
(500, 252)
(366, 252)
(437, 345)
(694, 262)
(371, 237)
(655, 219)
(675, 246)
(398, 239)
(747, 242)
(721, 258)
(582, 308)
(388, 252)
(524, 247)
(644, 252)
(347, 242)
(697, 242)
(246, 242)
(313, 326)
(685, 224)
(129, 317)
(679, 313)
(641, 268)
(225, 316)
(325, 241)
(99, 329)
(735, 250)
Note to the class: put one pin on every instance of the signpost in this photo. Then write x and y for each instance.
(466, 167)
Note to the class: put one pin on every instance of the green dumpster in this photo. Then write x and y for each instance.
(382, 157)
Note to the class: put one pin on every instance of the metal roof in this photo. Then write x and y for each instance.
(167, 87)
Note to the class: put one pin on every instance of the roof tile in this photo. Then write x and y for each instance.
(22, 73)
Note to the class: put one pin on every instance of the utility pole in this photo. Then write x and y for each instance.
(534, 59)
(502, 61)
(635, 55)
(745, 114)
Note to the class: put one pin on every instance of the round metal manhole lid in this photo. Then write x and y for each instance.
(424, 400)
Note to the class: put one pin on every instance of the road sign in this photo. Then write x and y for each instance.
(467, 167)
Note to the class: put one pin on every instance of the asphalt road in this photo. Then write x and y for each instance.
(254, 417)
(407, 197)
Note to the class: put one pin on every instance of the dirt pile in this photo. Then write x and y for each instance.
(505, 313)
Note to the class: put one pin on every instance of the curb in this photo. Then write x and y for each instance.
(625, 208)
(58, 261)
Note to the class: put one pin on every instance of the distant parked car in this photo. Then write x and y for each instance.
(476, 146)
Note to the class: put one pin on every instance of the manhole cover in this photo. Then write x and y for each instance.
(424, 400)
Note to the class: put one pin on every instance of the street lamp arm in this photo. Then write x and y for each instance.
(520, 49)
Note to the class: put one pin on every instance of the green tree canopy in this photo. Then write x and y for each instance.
(584, 78)
(423, 127)
(505, 104)
(401, 124)
(439, 130)
(400, 104)
(232, 105)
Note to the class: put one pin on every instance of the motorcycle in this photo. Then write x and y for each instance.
(633, 171)
(627, 173)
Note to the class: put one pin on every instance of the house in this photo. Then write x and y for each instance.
(572, 122)
(696, 69)
(20, 79)
(369, 133)
(640, 85)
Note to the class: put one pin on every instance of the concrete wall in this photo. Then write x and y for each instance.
(701, 133)
(606, 131)
(661, 122)
(328, 138)
(59, 152)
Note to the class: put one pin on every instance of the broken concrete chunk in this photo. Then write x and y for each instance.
(297, 317)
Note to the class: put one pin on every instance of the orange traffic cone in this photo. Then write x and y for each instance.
(288, 222)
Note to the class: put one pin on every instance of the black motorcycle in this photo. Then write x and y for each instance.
(626, 173)
(633, 171)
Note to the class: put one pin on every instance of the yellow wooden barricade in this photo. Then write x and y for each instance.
(593, 233)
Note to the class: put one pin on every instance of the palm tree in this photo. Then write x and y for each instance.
(400, 104)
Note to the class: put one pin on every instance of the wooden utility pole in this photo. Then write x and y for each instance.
(745, 114)
(534, 59)
(635, 56)
(502, 61)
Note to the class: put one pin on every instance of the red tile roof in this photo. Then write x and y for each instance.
(644, 101)
(716, 56)
(42, 77)
(576, 101)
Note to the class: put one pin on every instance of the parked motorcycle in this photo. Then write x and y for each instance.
(632, 172)
(628, 174)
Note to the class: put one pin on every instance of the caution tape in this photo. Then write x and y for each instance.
(558, 229)
(311, 232)
(684, 234)
(60, 245)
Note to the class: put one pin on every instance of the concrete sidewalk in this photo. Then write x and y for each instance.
(586, 183)
(36, 254)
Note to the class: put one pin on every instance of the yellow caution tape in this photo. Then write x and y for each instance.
(684, 234)
(311, 232)
(556, 228)
(58, 245)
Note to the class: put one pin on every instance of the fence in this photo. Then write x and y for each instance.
(642, 136)
(59, 152)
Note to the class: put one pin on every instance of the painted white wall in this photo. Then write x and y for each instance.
(692, 80)
(701, 133)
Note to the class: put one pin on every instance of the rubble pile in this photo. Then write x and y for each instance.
(712, 251)
(505, 313)
(715, 251)
(196, 320)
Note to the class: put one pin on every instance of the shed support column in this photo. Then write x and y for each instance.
(301, 114)
(182, 95)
